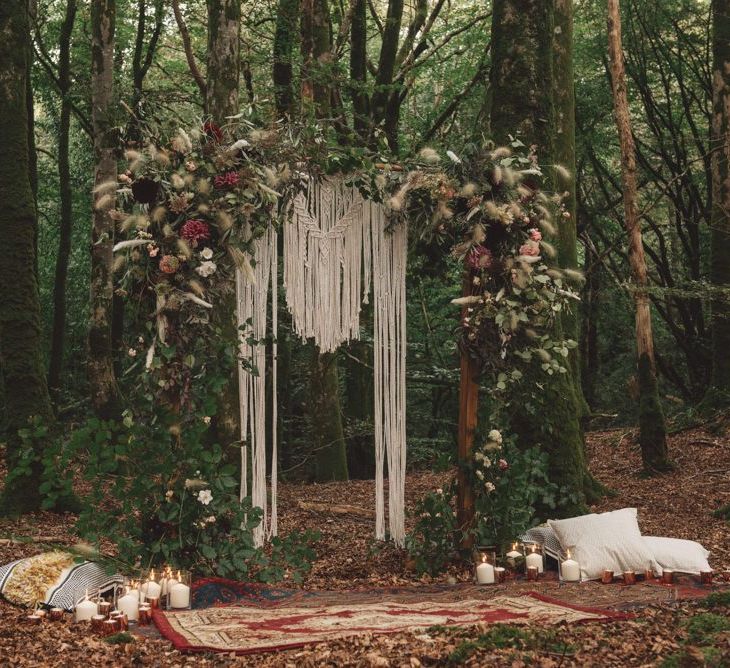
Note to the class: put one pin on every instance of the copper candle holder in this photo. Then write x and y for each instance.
(55, 614)
(629, 577)
(104, 607)
(109, 626)
(667, 576)
(145, 615)
(96, 623)
(500, 574)
(34, 619)
(532, 573)
(153, 602)
(648, 574)
(706, 577)
(607, 577)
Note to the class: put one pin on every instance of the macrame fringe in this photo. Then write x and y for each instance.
(335, 246)
(252, 302)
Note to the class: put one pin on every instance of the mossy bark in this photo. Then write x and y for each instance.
(287, 16)
(25, 389)
(719, 392)
(58, 334)
(104, 393)
(359, 70)
(222, 89)
(523, 99)
(651, 420)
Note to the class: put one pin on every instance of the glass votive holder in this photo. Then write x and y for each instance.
(179, 591)
(568, 567)
(485, 559)
(515, 556)
(534, 556)
(150, 584)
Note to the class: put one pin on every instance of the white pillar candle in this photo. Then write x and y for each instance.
(85, 610)
(513, 555)
(129, 604)
(570, 570)
(485, 573)
(151, 589)
(534, 559)
(180, 596)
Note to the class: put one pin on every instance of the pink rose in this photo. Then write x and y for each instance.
(503, 465)
(535, 234)
(530, 248)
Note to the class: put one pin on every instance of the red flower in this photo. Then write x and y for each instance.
(503, 465)
(169, 264)
(227, 180)
(194, 230)
(213, 131)
(479, 257)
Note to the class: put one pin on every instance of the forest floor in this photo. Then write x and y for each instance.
(677, 504)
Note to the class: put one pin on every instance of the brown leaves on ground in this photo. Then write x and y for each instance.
(677, 504)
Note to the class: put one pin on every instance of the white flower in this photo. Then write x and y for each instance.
(489, 486)
(132, 352)
(439, 491)
(206, 268)
(487, 462)
(495, 436)
(210, 519)
(205, 496)
(206, 419)
(169, 494)
(206, 253)
(480, 475)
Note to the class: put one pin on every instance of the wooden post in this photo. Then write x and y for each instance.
(468, 405)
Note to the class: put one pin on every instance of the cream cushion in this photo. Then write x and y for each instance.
(602, 541)
(677, 554)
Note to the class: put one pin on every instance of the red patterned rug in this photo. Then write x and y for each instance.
(297, 621)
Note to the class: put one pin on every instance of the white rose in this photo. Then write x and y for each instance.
(495, 436)
(206, 253)
(206, 268)
(205, 496)
(206, 419)
(489, 486)
(132, 352)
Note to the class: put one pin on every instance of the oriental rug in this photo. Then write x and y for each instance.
(283, 622)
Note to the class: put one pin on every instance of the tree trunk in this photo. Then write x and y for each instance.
(720, 240)
(359, 70)
(325, 415)
(65, 195)
(359, 408)
(328, 438)
(523, 104)
(25, 389)
(652, 433)
(223, 77)
(101, 354)
(284, 39)
(224, 61)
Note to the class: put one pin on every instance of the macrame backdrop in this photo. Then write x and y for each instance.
(335, 246)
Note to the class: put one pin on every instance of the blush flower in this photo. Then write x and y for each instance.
(535, 234)
(169, 264)
(480, 257)
(503, 465)
(227, 180)
(531, 249)
(206, 268)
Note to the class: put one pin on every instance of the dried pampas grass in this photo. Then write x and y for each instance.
(429, 156)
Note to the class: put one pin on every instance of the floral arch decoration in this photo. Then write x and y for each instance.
(202, 215)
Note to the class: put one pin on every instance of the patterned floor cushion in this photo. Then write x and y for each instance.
(54, 579)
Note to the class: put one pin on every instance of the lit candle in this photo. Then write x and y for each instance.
(570, 569)
(485, 572)
(534, 559)
(151, 589)
(129, 604)
(513, 555)
(85, 609)
(180, 593)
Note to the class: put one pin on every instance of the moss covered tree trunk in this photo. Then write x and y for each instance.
(223, 77)
(104, 394)
(719, 393)
(652, 432)
(524, 104)
(25, 389)
(325, 414)
(65, 194)
(285, 37)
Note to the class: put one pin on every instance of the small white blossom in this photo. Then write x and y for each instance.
(132, 352)
(489, 486)
(206, 419)
(205, 496)
(480, 475)
(206, 253)
(206, 268)
(169, 494)
(210, 519)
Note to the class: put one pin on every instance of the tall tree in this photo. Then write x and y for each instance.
(325, 413)
(26, 392)
(65, 195)
(720, 238)
(652, 430)
(285, 38)
(523, 103)
(104, 393)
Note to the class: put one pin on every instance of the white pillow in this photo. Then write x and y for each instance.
(605, 541)
(677, 554)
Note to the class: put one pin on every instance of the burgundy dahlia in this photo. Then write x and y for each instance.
(195, 230)
(227, 180)
(213, 131)
(479, 257)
